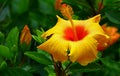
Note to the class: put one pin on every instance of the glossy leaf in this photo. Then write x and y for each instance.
(3, 65)
(113, 16)
(4, 14)
(35, 20)
(50, 69)
(52, 74)
(38, 38)
(5, 18)
(40, 58)
(12, 40)
(5, 52)
(14, 72)
(19, 6)
(1, 37)
(75, 67)
(1, 59)
(46, 6)
(115, 65)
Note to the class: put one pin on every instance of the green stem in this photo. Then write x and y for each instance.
(15, 58)
(58, 68)
(67, 67)
(22, 61)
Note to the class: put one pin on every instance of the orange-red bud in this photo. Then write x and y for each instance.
(112, 32)
(25, 35)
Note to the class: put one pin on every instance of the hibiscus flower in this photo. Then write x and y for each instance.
(77, 41)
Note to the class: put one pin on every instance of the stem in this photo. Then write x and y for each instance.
(100, 6)
(22, 61)
(55, 66)
(58, 68)
(61, 71)
(15, 58)
(92, 7)
(66, 69)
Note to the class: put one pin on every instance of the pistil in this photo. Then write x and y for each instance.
(67, 11)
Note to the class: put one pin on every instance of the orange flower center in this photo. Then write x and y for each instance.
(80, 32)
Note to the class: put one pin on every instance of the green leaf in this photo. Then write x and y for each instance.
(46, 6)
(2, 1)
(52, 74)
(110, 2)
(4, 14)
(50, 69)
(1, 59)
(3, 65)
(35, 20)
(38, 38)
(1, 37)
(39, 32)
(40, 58)
(44, 53)
(19, 6)
(76, 67)
(5, 18)
(4, 51)
(113, 16)
(12, 40)
(111, 65)
(14, 72)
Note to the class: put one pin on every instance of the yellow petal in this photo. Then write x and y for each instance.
(102, 40)
(96, 18)
(84, 51)
(93, 28)
(58, 28)
(56, 46)
(91, 25)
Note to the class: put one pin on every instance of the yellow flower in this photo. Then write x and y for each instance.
(64, 45)
(25, 35)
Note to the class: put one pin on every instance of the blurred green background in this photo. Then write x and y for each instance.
(41, 14)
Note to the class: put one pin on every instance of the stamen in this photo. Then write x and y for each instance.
(74, 31)
(58, 4)
(67, 11)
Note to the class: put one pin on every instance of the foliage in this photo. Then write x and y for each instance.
(40, 15)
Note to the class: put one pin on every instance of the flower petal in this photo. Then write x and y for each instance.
(56, 46)
(96, 19)
(58, 28)
(93, 28)
(103, 41)
(84, 51)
